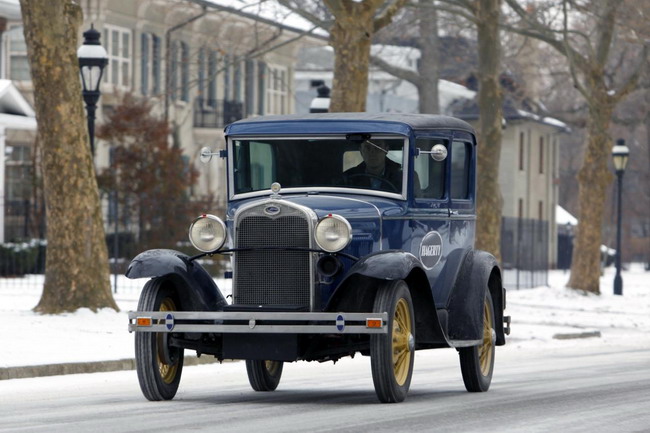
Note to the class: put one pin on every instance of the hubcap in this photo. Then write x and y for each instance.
(403, 342)
(489, 337)
(167, 371)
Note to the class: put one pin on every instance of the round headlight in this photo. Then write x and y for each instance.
(207, 233)
(333, 233)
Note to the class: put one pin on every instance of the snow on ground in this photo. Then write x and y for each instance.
(540, 317)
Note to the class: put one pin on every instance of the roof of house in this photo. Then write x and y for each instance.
(15, 111)
(467, 109)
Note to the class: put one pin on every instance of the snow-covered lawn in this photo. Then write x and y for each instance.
(539, 317)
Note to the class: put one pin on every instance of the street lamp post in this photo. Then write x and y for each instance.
(620, 154)
(92, 61)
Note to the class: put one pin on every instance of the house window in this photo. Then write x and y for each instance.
(237, 82)
(150, 64)
(277, 90)
(521, 151)
(18, 66)
(520, 210)
(19, 172)
(117, 41)
(540, 210)
(541, 155)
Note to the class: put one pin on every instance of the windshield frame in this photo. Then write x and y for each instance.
(316, 189)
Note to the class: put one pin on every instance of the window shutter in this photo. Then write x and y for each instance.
(144, 61)
(212, 79)
(261, 88)
(156, 65)
(185, 72)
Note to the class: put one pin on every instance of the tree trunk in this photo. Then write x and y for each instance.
(429, 74)
(594, 179)
(350, 37)
(489, 199)
(77, 273)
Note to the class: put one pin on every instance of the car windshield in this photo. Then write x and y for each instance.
(357, 161)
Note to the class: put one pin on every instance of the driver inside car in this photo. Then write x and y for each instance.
(376, 171)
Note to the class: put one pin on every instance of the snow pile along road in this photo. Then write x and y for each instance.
(540, 316)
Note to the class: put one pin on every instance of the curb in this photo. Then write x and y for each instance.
(571, 336)
(7, 373)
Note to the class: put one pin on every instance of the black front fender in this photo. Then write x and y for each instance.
(386, 265)
(357, 291)
(199, 291)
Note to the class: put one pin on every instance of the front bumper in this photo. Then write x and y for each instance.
(258, 322)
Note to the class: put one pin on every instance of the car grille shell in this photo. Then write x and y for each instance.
(274, 268)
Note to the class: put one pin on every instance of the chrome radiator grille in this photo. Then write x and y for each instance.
(276, 276)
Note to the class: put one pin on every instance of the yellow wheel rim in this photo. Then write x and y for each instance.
(272, 367)
(486, 348)
(401, 341)
(167, 371)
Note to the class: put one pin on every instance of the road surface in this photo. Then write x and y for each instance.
(577, 387)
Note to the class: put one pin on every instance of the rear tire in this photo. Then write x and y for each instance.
(264, 375)
(392, 354)
(477, 362)
(159, 366)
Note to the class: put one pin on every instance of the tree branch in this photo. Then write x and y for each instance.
(323, 24)
(386, 17)
(396, 71)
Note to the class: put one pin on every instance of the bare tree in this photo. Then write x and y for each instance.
(76, 273)
(426, 78)
(586, 38)
(351, 32)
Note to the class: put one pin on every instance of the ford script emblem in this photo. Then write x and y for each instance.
(431, 249)
(272, 210)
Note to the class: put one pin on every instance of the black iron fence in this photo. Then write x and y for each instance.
(524, 252)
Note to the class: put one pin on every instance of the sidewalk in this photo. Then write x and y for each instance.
(37, 345)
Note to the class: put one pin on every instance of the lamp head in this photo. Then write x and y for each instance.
(620, 155)
(92, 60)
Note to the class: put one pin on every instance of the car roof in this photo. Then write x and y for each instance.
(323, 123)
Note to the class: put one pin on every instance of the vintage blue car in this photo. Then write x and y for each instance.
(348, 233)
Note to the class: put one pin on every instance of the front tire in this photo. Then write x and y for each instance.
(264, 375)
(477, 362)
(392, 354)
(159, 365)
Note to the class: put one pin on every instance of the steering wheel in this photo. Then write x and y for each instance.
(385, 181)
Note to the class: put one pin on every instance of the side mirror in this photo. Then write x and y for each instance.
(438, 152)
(207, 154)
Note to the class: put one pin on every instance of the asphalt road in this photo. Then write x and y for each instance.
(577, 388)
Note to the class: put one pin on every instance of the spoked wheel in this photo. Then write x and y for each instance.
(159, 365)
(477, 362)
(392, 354)
(264, 375)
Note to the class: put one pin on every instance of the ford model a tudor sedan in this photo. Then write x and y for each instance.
(347, 233)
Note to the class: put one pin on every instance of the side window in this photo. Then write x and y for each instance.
(461, 156)
(430, 174)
